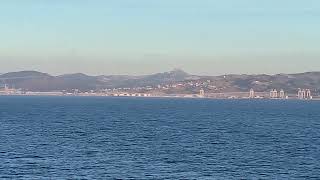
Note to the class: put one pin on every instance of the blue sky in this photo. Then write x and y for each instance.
(146, 36)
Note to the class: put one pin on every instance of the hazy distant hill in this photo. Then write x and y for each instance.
(24, 74)
(154, 79)
(37, 81)
(289, 82)
(30, 80)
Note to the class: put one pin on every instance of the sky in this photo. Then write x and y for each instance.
(205, 37)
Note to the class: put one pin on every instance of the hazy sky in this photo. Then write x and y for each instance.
(147, 36)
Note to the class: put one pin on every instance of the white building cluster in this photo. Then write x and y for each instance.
(273, 94)
(304, 94)
(7, 90)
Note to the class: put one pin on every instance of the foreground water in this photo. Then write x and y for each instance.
(128, 138)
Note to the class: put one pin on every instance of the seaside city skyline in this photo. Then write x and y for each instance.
(144, 37)
(175, 83)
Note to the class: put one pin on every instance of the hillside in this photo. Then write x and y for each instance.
(38, 81)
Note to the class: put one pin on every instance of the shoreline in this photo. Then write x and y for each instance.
(164, 97)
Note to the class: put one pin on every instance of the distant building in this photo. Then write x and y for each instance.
(301, 94)
(308, 94)
(282, 94)
(304, 94)
(75, 91)
(6, 88)
(273, 94)
(202, 93)
(251, 93)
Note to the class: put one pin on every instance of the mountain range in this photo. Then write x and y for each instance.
(38, 81)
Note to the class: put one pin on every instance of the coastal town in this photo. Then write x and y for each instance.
(149, 91)
(176, 83)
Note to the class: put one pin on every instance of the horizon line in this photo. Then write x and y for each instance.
(173, 70)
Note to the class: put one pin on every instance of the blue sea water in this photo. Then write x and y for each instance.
(146, 138)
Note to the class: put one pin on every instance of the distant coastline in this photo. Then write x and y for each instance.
(151, 96)
(176, 83)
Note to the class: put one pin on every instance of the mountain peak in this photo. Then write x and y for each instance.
(74, 75)
(178, 72)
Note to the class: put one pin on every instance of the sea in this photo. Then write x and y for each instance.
(158, 138)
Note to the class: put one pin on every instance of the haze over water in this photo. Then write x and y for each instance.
(146, 138)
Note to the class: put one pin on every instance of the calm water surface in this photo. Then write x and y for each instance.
(138, 138)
